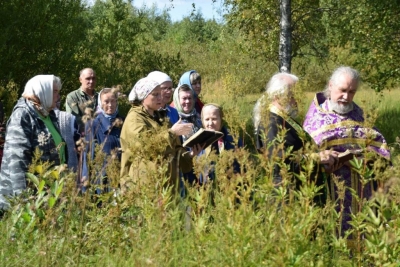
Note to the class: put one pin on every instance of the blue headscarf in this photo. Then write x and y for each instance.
(185, 79)
(100, 109)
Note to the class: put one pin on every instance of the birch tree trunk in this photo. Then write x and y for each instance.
(285, 37)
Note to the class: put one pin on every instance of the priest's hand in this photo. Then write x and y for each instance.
(330, 159)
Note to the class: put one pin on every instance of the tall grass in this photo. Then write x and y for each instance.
(239, 220)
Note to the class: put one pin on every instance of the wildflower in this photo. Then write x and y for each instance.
(62, 168)
(43, 138)
(114, 154)
(88, 111)
(117, 123)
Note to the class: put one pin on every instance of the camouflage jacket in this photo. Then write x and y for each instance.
(25, 132)
(76, 103)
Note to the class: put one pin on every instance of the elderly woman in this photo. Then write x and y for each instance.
(103, 130)
(166, 93)
(193, 79)
(281, 113)
(69, 132)
(144, 121)
(184, 104)
(212, 119)
(32, 125)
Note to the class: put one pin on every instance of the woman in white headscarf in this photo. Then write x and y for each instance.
(31, 125)
(143, 121)
(104, 130)
(166, 93)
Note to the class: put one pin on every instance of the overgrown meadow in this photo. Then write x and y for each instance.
(238, 220)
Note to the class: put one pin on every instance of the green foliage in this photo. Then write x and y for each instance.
(39, 37)
(376, 46)
(156, 23)
(319, 28)
(238, 219)
(11, 93)
(194, 29)
(259, 21)
(122, 43)
(114, 28)
(235, 220)
(43, 201)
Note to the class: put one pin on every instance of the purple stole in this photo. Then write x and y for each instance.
(331, 130)
(341, 132)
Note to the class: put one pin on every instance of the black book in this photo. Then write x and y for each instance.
(203, 137)
(348, 155)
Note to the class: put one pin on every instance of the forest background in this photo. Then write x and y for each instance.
(235, 56)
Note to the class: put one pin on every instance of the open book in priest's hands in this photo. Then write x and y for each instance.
(348, 155)
(203, 137)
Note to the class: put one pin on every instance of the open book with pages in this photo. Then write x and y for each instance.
(203, 137)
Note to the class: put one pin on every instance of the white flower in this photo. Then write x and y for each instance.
(43, 138)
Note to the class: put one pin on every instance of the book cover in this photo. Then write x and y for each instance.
(203, 137)
(347, 155)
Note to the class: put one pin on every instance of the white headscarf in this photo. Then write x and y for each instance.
(100, 104)
(142, 89)
(159, 77)
(40, 88)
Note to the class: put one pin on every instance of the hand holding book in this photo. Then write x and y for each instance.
(346, 156)
(203, 137)
(196, 149)
(182, 128)
(340, 158)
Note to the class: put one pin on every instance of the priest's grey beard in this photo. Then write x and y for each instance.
(341, 109)
(292, 111)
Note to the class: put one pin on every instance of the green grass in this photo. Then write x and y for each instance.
(239, 221)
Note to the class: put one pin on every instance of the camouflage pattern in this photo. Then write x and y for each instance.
(25, 132)
(2, 130)
(76, 103)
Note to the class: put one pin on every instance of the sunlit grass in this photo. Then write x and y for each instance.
(239, 221)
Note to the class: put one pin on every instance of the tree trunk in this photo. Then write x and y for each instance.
(285, 38)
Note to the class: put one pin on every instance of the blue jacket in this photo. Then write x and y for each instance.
(100, 131)
(172, 114)
(229, 144)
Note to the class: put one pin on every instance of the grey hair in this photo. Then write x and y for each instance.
(82, 70)
(352, 73)
(57, 81)
(257, 112)
(195, 77)
(278, 85)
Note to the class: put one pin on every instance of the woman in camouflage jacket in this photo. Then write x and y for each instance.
(32, 125)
